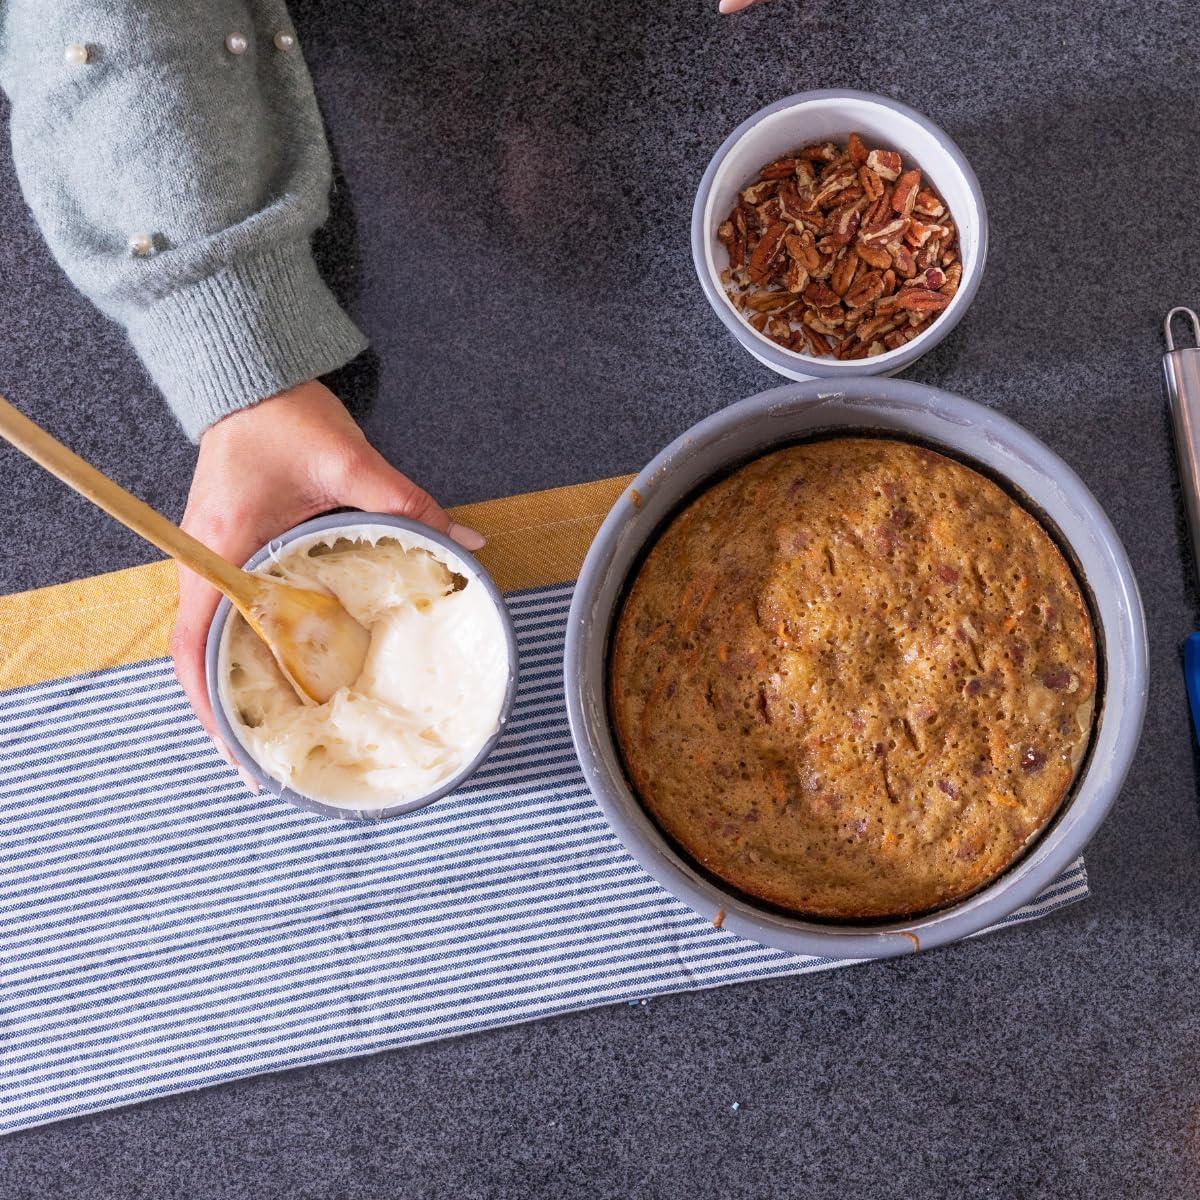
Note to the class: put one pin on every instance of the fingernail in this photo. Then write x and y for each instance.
(249, 780)
(466, 537)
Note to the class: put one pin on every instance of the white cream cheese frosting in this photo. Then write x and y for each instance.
(431, 691)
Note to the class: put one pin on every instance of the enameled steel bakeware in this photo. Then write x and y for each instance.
(976, 435)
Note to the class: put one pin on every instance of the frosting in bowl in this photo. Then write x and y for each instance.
(431, 691)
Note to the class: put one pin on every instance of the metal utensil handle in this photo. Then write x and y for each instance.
(1181, 372)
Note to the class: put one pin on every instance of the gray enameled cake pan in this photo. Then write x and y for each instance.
(941, 420)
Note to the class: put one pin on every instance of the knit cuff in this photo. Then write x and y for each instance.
(252, 329)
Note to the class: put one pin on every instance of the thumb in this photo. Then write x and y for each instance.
(376, 486)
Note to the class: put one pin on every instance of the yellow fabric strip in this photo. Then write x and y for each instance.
(534, 540)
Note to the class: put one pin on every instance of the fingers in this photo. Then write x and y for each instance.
(376, 486)
(732, 6)
(466, 537)
(197, 603)
(234, 540)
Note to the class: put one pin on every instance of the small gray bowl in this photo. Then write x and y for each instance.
(964, 430)
(212, 663)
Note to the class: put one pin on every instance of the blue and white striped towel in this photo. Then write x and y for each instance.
(161, 929)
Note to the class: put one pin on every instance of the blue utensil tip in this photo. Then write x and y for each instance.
(1191, 676)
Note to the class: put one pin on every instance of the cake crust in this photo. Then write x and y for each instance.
(854, 679)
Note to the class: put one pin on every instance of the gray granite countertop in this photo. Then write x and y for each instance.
(511, 229)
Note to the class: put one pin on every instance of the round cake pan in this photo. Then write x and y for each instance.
(313, 531)
(962, 429)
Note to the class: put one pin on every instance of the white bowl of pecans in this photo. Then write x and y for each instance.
(839, 233)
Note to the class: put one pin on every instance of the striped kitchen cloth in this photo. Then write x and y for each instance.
(161, 929)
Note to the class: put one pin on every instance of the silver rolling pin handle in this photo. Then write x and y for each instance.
(1181, 371)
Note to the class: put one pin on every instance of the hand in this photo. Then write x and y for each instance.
(264, 469)
(732, 6)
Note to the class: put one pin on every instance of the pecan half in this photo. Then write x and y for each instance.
(796, 279)
(927, 204)
(919, 299)
(844, 270)
(803, 248)
(930, 254)
(765, 252)
(880, 211)
(756, 193)
(904, 195)
(866, 291)
(917, 234)
(809, 341)
(783, 168)
(875, 256)
(885, 163)
(876, 327)
(816, 324)
(835, 182)
(734, 243)
(883, 235)
(845, 221)
(795, 202)
(769, 301)
(870, 183)
(822, 152)
(820, 295)
(779, 330)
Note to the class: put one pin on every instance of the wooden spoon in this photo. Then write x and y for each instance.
(318, 645)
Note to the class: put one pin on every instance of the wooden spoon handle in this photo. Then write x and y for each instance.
(133, 513)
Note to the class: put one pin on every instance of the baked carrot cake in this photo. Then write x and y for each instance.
(853, 679)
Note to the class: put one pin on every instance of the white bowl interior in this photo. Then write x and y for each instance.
(834, 119)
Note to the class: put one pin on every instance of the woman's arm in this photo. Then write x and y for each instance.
(175, 160)
(173, 155)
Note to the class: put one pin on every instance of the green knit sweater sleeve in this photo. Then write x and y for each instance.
(174, 157)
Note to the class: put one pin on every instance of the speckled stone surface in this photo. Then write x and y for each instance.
(511, 230)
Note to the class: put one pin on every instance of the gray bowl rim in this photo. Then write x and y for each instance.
(1121, 709)
(228, 733)
(784, 363)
